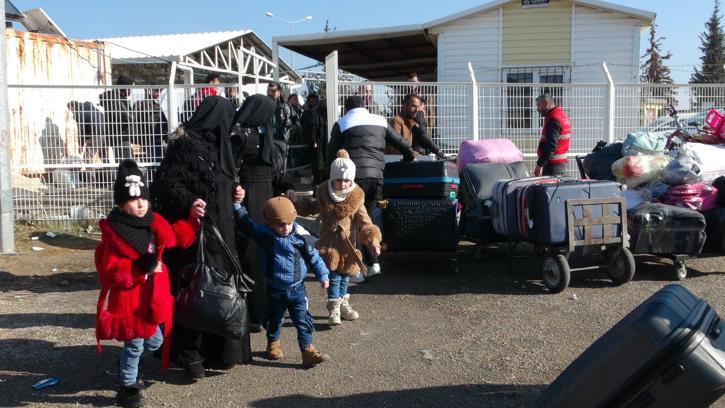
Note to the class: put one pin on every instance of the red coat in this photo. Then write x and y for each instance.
(136, 305)
(562, 146)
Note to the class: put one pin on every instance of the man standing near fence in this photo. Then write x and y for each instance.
(555, 138)
(405, 123)
(116, 104)
(365, 136)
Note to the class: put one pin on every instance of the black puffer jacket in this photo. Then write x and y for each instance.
(365, 136)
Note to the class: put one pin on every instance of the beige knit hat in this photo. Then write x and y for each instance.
(279, 210)
(342, 168)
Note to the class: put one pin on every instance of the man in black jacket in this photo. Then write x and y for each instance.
(365, 136)
(119, 117)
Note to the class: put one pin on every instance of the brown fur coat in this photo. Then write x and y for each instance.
(343, 226)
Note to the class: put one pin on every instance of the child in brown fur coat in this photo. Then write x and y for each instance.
(345, 222)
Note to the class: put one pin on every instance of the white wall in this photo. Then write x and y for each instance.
(472, 39)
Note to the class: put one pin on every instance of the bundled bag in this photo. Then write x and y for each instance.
(683, 170)
(598, 164)
(700, 197)
(657, 189)
(635, 171)
(213, 301)
(710, 159)
(643, 143)
(488, 151)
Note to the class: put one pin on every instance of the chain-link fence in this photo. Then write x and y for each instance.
(66, 141)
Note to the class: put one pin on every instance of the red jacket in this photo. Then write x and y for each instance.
(136, 304)
(562, 140)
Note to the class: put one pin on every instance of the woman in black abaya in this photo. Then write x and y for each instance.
(259, 162)
(196, 180)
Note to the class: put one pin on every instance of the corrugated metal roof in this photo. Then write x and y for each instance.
(11, 12)
(166, 46)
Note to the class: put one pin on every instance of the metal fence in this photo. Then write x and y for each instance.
(66, 141)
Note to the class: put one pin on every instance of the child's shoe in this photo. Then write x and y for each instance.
(374, 270)
(274, 350)
(333, 306)
(130, 397)
(346, 312)
(359, 278)
(311, 357)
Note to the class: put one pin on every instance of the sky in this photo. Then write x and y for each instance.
(678, 21)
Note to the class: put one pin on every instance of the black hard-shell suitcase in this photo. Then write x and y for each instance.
(667, 352)
(420, 225)
(421, 179)
(665, 229)
(715, 230)
(542, 209)
(477, 182)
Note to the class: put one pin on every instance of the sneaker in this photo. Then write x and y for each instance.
(374, 270)
(130, 397)
(359, 278)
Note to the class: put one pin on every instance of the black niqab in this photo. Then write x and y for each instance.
(257, 110)
(214, 115)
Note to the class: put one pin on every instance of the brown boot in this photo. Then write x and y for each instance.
(274, 350)
(311, 357)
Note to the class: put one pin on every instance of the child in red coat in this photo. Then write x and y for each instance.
(134, 280)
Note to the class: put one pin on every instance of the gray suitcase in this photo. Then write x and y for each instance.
(667, 352)
(505, 208)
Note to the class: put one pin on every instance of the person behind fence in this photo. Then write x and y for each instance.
(345, 224)
(134, 280)
(192, 103)
(314, 134)
(281, 132)
(365, 137)
(151, 126)
(196, 181)
(555, 138)
(119, 117)
(91, 130)
(288, 254)
(407, 123)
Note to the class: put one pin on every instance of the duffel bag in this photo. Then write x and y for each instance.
(639, 143)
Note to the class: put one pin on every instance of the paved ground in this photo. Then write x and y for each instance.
(491, 336)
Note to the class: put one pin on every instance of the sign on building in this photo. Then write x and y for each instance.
(534, 3)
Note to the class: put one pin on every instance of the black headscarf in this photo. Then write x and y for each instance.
(257, 110)
(214, 116)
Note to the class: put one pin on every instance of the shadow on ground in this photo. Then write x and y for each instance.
(469, 395)
(28, 320)
(58, 282)
(67, 241)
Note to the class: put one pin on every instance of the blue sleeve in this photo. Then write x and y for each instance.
(318, 265)
(247, 225)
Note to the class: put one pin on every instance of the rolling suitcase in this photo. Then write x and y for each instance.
(505, 205)
(664, 229)
(598, 164)
(715, 230)
(477, 182)
(542, 209)
(420, 224)
(667, 352)
(421, 179)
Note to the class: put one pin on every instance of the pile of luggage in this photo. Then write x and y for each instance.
(676, 194)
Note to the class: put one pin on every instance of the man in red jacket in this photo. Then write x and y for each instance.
(555, 138)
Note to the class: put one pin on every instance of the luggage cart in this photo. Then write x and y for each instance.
(618, 260)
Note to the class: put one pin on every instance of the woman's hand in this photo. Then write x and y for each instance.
(239, 194)
(197, 210)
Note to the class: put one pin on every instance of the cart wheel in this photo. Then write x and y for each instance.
(556, 273)
(621, 266)
(680, 270)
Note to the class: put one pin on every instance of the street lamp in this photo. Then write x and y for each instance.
(308, 18)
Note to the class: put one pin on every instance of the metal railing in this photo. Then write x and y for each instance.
(66, 141)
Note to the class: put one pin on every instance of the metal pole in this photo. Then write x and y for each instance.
(275, 59)
(173, 118)
(331, 90)
(611, 109)
(7, 220)
(474, 102)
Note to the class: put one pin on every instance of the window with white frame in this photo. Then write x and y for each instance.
(520, 100)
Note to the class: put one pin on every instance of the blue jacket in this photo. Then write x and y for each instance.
(285, 259)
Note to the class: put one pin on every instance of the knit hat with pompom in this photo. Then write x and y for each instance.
(342, 168)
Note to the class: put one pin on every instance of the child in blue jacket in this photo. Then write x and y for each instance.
(287, 255)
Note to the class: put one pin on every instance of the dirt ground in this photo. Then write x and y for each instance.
(489, 336)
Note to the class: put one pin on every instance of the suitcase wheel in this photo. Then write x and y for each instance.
(680, 270)
(556, 273)
(621, 266)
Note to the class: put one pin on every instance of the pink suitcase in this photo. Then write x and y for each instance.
(488, 151)
(700, 197)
